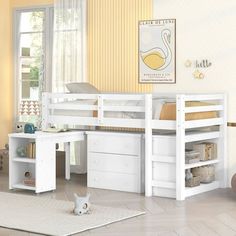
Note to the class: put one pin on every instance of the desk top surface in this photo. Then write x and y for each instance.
(40, 134)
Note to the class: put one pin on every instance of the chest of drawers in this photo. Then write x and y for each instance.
(115, 161)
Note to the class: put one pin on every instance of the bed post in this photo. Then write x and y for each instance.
(148, 145)
(45, 101)
(222, 142)
(180, 147)
(100, 109)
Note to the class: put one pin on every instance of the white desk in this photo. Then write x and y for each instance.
(43, 167)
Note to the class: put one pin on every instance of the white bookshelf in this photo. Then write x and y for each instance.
(217, 133)
(43, 166)
(168, 166)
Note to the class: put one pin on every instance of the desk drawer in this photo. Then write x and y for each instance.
(114, 181)
(117, 144)
(114, 163)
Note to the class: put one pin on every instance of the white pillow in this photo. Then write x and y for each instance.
(81, 88)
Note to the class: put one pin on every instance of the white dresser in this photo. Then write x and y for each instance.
(115, 161)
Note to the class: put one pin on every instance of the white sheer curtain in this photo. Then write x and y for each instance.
(68, 43)
(69, 57)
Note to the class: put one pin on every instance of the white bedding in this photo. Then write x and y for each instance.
(157, 106)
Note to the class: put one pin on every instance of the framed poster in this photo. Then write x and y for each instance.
(157, 56)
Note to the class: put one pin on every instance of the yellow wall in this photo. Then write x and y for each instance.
(112, 48)
(113, 43)
(26, 3)
(5, 72)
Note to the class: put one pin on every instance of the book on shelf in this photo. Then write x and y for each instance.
(31, 150)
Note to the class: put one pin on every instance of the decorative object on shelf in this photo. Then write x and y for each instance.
(191, 156)
(82, 204)
(20, 127)
(188, 174)
(157, 43)
(207, 173)
(21, 151)
(193, 182)
(207, 150)
(29, 180)
(29, 128)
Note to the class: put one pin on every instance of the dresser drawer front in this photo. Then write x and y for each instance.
(114, 181)
(117, 144)
(114, 163)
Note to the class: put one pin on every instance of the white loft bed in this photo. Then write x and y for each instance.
(56, 111)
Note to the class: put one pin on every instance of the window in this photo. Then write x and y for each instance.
(33, 52)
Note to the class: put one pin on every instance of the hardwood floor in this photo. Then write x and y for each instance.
(209, 214)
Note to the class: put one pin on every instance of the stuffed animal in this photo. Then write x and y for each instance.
(82, 204)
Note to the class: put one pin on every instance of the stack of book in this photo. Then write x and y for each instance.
(31, 150)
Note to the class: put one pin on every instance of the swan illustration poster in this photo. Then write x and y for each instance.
(157, 51)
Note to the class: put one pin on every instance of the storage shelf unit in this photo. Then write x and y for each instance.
(168, 150)
(184, 138)
(43, 164)
(43, 167)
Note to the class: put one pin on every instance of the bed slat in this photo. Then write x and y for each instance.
(203, 97)
(203, 108)
(203, 123)
(124, 108)
(72, 106)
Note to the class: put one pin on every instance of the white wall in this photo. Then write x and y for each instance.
(205, 30)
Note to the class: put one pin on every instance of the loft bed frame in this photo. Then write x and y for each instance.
(53, 101)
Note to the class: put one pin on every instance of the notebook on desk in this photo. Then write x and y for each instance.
(54, 130)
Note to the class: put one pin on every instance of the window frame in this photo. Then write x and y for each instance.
(47, 43)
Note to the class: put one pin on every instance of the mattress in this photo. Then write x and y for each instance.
(162, 110)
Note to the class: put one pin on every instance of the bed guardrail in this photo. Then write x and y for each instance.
(96, 105)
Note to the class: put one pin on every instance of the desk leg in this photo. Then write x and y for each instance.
(67, 157)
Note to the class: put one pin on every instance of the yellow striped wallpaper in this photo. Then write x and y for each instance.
(113, 44)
